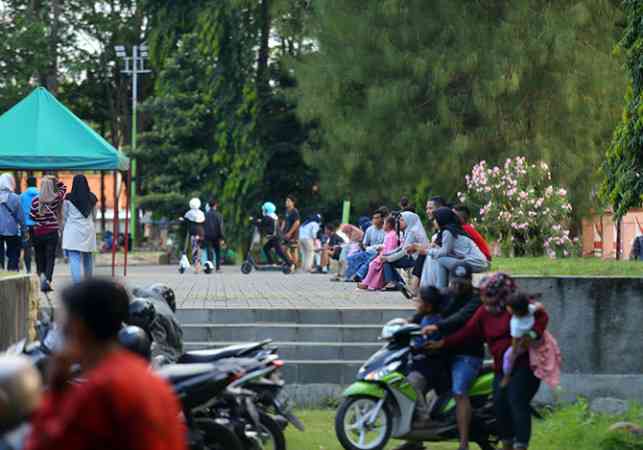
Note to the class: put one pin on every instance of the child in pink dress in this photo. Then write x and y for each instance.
(374, 280)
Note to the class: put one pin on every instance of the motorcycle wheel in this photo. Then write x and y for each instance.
(352, 432)
(272, 436)
(217, 436)
(246, 268)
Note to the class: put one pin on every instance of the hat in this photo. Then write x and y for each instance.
(461, 271)
(195, 203)
(498, 286)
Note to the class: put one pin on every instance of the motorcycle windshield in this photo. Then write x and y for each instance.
(386, 355)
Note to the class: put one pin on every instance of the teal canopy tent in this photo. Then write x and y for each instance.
(40, 133)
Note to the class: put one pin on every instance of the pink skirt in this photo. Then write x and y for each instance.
(545, 360)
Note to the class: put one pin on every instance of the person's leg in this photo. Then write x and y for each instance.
(27, 251)
(88, 264)
(74, 265)
(39, 251)
(419, 384)
(2, 253)
(51, 249)
(445, 264)
(390, 275)
(217, 254)
(503, 414)
(464, 371)
(209, 244)
(13, 253)
(520, 391)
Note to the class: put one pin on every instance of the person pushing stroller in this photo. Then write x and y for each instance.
(268, 225)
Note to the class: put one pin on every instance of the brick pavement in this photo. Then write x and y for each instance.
(232, 289)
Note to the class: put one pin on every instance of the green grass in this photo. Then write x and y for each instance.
(567, 266)
(570, 428)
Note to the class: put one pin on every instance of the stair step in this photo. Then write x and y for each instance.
(250, 332)
(311, 316)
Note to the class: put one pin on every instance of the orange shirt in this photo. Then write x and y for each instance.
(122, 405)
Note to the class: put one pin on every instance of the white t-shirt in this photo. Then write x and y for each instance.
(309, 231)
(520, 326)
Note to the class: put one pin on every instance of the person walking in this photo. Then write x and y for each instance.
(26, 198)
(79, 233)
(214, 234)
(45, 212)
(291, 230)
(12, 223)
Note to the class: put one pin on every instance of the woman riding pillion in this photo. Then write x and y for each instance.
(491, 324)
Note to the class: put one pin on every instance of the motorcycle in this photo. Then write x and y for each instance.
(379, 405)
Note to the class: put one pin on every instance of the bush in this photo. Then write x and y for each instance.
(520, 208)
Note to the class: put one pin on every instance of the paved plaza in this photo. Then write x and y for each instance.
(232, 289)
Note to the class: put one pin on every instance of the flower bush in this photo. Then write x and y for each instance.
(519, 207)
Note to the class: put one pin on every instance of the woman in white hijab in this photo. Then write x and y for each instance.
(12, 224)
(406, 255)
(195, 219)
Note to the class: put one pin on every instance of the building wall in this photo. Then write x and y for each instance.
(603, 227)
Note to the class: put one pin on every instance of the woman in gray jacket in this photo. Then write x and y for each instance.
(452, 247)
(79, 234)
(12, 223)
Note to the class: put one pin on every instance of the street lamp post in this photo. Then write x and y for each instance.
(134, 66)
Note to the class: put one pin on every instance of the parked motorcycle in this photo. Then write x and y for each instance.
(380, 404)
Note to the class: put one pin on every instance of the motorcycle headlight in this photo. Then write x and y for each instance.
(381, 373)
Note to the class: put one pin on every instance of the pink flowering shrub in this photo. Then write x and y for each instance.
(518, 206)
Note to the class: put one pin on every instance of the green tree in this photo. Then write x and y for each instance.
(623, 186)
(421, 94)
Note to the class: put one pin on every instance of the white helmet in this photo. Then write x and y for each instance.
(391, 327)
(195, 203)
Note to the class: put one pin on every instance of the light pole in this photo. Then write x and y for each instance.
(134, 66)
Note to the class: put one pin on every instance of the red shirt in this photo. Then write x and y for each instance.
(494, 329)
(121, 406)
(478, 239)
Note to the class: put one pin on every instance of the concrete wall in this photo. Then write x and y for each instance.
(598, 323)
(18, 309)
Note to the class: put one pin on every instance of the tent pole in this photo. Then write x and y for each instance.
(128, 188)
(114, 226)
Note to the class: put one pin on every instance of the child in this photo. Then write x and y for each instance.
(428, 368)
(544, 355)
(374, 280)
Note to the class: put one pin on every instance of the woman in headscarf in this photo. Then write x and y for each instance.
(491, 324)
(452, 246)
(79, 233)
(45, 212)
(195, 219)
(12, 224)
(405, 256)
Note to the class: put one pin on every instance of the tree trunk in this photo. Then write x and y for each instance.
(263, 85)
(54, 30)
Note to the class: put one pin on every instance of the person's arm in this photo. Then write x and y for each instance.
(295, 227)
(446, 249)
(471, 330)
(456, 321)
(61, 191)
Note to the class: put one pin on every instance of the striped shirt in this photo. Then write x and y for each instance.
(47, 222)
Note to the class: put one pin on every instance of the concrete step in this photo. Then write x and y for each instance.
(297, 332)
(342, 372)
(309, 316)
(309, 351)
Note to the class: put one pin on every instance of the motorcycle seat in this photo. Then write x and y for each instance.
(212, 355)
(178, 373)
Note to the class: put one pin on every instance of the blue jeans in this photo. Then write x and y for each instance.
(390, 274)
(75, 258)
(464, 370)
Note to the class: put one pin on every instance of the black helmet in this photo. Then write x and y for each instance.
(141, 313)
(166, 292)
(135, 340)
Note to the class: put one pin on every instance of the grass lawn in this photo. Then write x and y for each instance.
(567, 266)
(570, 428)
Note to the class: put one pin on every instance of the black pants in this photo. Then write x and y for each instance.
(12, 252)
(274, 244)
(27, 251)
(390, 274)
(45, 247)
(214, 246)
(419, 265)
(512, 405)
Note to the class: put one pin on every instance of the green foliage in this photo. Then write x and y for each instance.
(623, 185)
(409, 96)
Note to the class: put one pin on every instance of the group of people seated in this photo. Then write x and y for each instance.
(392, 251)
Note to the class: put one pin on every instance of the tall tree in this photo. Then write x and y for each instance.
(623, 185)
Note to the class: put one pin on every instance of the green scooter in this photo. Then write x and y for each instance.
(379, 405)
